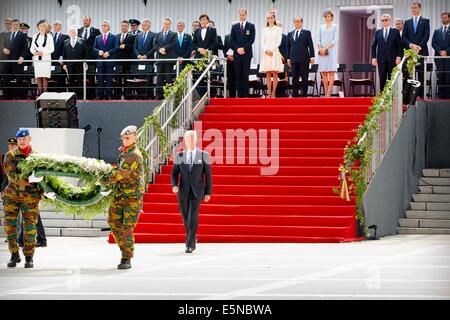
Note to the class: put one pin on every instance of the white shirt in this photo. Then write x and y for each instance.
(13, 34)
(243, 24)
(297, 32)
(388, 30)
(123, 36)
(73, 41)
(203, 31)
(192, 153)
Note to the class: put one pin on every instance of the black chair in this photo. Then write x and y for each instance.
(118, 84)
(313, 82)
(340, 82)
(217, 74)
(91, 81)
(28, 81)
(283, 82)
(255, 83)
(367, 79)
(420, 77)
(138, 85)
(53, 84)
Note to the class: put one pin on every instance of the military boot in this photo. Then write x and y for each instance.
(15, 259)
(29, 262)
(124, 264)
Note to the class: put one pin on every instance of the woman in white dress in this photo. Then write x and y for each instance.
(271, 61)
(327, 57)
(41, 49)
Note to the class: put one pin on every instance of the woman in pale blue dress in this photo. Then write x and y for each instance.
(327, 57)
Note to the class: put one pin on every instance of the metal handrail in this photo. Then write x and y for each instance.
(149, 140)
(106, 60)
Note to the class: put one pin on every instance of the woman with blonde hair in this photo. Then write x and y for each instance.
(327, 57)
(41, 49)
(271, 61)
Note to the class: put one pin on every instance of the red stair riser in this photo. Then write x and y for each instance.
(310, 101)
(325, 118)
(286, 109)
(344, 126)
(288, 134)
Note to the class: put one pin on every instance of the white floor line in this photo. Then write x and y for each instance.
(305, 278)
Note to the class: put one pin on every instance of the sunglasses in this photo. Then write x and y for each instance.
(383, 20)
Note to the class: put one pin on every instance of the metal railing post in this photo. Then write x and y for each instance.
(84, 80)
(425, 77)
(225, 79)
(178, 68)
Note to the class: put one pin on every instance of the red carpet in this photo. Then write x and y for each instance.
(296, 204)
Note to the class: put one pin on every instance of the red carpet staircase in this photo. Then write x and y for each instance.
(295, 205)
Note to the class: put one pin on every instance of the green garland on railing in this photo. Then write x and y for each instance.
(175, 90)
(361, 154)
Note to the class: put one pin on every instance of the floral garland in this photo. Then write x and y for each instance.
(176, 91)
(86, 201)
(356, 153)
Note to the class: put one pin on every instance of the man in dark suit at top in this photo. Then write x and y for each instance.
(106, 46)
(143, 49)
(126, 47)
(165, 43)
(300, 55)
(192, 182)
(219, 39)
(58, 42)
(229, 55)
(3, 41)
(16, 49)
(441, 46)
(399, 25)
(134, 26)
(75, 49)
(242, 39)
(183, 48)
(89, 33)
(416, 34)
(386, 49)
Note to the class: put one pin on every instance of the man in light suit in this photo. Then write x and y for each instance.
(143, 49)
(300, 54)
(441, 46)
(164, 44)
(416, 34)
(184, 44)
(386, 49)
(192, 181)
(242, 39)
(106, 46)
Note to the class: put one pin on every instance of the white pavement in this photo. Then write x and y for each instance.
(397, 267)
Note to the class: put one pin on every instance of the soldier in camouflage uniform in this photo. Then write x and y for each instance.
(128, 193)
(20, 196)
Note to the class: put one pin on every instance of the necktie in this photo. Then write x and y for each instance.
(415, 24)
(180, 39)
(104, 39)
(190, 160)
(123, 37)
(164, 36)
(242, 28)
(55, 36)
(13, 35)
(85, 34)
(444, 33)
(386, 34)
(73, 43)
(144, 37)
(296, 35)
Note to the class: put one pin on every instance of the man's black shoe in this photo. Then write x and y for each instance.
(15, 259)
(189, 250)
(41, 244)
(124, 264)
(29, 262)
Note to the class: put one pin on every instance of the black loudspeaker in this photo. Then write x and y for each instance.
(57, 110)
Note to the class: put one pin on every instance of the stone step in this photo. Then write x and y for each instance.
(71, 232)
(436, 172)
(434, 181)
(46, 215)
(402, 230)
(418, 214)
(443, 206)
(425, 223)
(431, 189)
(436, 198)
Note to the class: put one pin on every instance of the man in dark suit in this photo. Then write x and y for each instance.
(3, 42)
(75, 49)
(25, 79)
(143, 49)
(300, 55)
(89, 33)
(165, 43)
(126, 48)
(386, 49)
(242, 38)
(219, 39)
(58, 42)
(204, 40)
(229, 55)
(106, 46)
(16, 49)
(441, 46)
(192, 181)
(416, 34)
(183, 48)
(399, 25)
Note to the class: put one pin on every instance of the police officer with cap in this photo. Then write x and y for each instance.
(20, 196)
(128, 192)
(134, 25)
